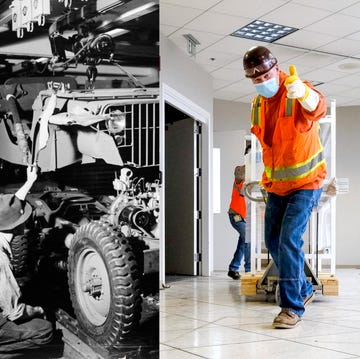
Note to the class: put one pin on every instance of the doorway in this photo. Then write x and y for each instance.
(183, 229)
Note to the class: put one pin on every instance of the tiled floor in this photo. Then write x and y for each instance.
(207, 317)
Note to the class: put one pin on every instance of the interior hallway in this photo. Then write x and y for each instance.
(207, 317)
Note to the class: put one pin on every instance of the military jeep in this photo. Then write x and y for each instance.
(91, 245)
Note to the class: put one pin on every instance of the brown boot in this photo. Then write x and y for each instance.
(286, 319)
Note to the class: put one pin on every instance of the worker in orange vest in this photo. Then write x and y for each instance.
(237, 217)
(285, 116)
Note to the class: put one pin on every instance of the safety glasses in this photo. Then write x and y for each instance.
(261, 68)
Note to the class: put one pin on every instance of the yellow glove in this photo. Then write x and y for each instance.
(296, 89)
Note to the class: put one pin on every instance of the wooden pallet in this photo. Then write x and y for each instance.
(249, 283)
(330, 284)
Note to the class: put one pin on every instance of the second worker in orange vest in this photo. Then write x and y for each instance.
(284, 119)
(237, 217)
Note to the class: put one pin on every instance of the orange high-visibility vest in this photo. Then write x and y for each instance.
(237, 203)
(295, 159)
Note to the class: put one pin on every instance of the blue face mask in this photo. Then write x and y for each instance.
(267, 88)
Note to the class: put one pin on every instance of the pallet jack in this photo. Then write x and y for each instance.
(267, 282)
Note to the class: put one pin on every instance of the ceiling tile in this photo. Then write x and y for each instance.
(219, 83)
(301, 69)
(353, 10)
(226, 74)
(245, 86)
(354, 36)
(331, 89)
(317, 59)
(208, 68)
(341, 47)
(336, 25)
(217, 23)
(177, 15)
(206, 39)
(332, 5)
(197, 4)
(322, 75)
(347, 80)
(236, 65)
(250, 10)
(167, 29)
(307, 40)
(233, 45)
(296, 15)
(214, 58)
(285, 53)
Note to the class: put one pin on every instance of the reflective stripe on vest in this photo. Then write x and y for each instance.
(256, 111)
(298, 171)
(288, 107)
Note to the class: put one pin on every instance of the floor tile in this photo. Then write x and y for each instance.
(208, 317)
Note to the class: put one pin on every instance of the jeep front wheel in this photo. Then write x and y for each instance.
(104, 283)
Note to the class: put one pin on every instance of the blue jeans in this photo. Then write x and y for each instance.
(242, 249)
(286, 218)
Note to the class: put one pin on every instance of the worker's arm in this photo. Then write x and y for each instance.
(31, 173)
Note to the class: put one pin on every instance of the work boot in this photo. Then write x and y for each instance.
(309, 299)
(234, 275)
(286, 319)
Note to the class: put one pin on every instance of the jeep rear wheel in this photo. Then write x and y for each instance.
(104, 283)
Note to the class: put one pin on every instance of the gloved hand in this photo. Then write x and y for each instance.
(295, 87)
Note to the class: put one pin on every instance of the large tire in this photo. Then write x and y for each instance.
(104, 283)
(19, 250)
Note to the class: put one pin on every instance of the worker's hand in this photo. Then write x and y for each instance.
(295, 87)
(332, 188)
(31, 173)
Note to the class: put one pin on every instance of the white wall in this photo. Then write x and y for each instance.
(233, 116)
(231, 144)
(181, 74)
(347, 165)
(231, 123)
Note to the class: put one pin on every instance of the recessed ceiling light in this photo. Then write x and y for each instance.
(263, 31)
